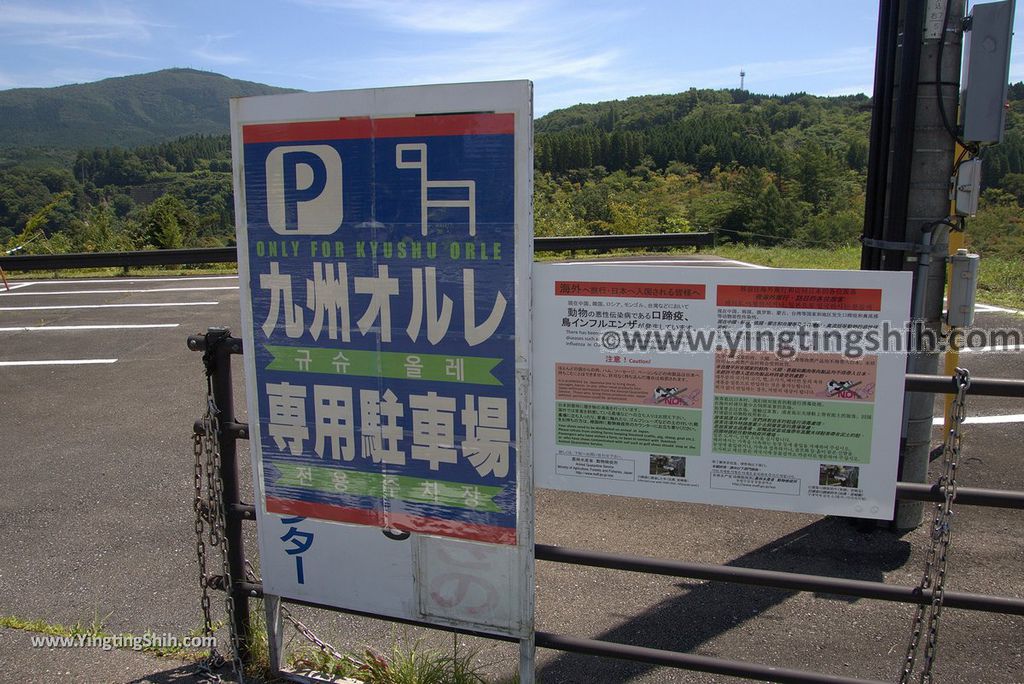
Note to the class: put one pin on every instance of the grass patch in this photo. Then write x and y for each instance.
(414, 665)
(146, 641)
(400, 665)
(1001, 282)
(95, 629)
(846, 258)
(417, 666)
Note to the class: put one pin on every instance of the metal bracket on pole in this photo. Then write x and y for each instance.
(895, 246)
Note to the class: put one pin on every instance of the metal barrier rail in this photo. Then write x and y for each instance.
(607, 242)
(150, 257)
(218, 346)
(779, 580)
(220, 255)
(688, 661)
(986, 387)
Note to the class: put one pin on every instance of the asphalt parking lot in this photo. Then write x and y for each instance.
(98, 394)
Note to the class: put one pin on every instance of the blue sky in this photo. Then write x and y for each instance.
(579, 51)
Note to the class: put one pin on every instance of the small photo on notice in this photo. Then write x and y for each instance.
(671, 466)
(838, 475)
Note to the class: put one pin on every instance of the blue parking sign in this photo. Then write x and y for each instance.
(381, 259)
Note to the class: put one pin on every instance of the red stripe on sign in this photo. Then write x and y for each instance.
(569, 288)
(822, 298)
(365, 127)
(407, 523)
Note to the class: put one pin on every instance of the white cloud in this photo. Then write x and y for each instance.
(79, 29)
(564, 48)
(92, 42)
(209, 53)
(22, 15)
(501, 59)
(498, 42)
(550, 64)
(448, 16)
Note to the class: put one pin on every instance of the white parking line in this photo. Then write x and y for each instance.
(16, 286)
(58, 362)
(986, 420)
(89, 281)
(745, 263)
(989, 308)
(672, 262)
(996, 348)
(126, 326)
(105, 306)
(36, 293)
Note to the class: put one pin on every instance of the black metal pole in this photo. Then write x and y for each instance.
(903, 132)
(778, 579)
(880, 135)
(220, 345)
(689, 661)
(980, 387)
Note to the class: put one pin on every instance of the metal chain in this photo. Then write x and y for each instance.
(215, 660)
(209, 507)
(934, 577)
(314, 639)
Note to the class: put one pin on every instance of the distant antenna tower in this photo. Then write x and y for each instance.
(743, 74)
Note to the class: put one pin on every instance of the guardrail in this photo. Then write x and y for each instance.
(150, 257)
(222, 255)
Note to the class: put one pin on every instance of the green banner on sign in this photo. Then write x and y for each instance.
(380, 485)
(399, 365)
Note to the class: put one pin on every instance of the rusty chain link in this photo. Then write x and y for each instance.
(310, 636)
(934, 577)
(211, 518)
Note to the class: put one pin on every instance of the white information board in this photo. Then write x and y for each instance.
(385, 241)
(776, 389)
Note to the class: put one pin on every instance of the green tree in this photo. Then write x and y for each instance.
(168, 224)
(998, 228)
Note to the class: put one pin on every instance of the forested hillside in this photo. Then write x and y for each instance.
(127, 111)
(754, 169)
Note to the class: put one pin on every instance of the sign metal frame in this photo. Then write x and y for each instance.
(424, 552)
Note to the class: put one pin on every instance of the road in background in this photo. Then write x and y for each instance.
(98, 394)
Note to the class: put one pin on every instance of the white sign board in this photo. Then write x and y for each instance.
(385, 242)
(759, 388)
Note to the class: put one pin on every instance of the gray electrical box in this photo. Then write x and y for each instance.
(968, 187)
(963, 287)
(986, 72)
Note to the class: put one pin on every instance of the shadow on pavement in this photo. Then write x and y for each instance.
(831, 547)
(186, 673)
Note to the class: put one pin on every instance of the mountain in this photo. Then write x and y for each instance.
(126, 111)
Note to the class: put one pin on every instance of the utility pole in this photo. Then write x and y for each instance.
(910, 217)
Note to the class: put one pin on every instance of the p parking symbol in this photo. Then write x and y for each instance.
(304, 191)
